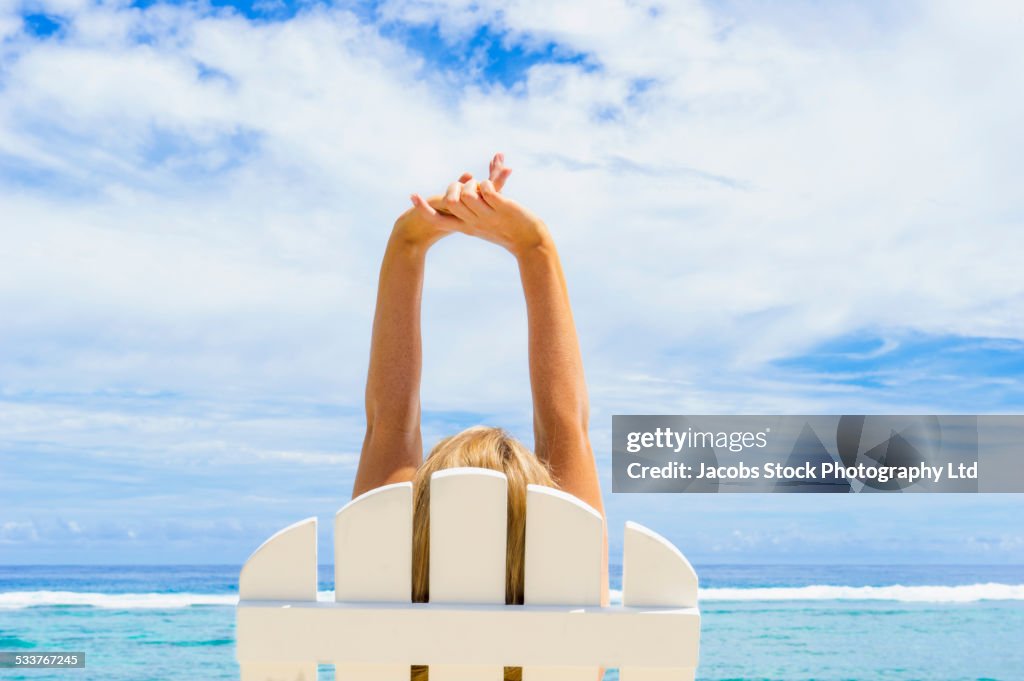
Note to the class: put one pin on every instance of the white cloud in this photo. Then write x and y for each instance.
(204, 211)
(15, 532)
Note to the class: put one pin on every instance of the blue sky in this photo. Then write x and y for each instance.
(808, 209)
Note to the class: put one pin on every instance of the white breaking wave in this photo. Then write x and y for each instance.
(910, 594)
(967, 593)
(27, 599)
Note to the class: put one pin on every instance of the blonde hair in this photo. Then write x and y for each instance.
(481, 447)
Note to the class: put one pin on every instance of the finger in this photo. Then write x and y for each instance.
(424, 206)
(489, 194)
(453, 203)
(495, 168)
(465, 177)
(446, 222)
(497, 163)
(502, 177)
(452, 194)
(437, 203)
(471, 199)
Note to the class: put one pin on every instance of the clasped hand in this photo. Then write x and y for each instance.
(477, 209)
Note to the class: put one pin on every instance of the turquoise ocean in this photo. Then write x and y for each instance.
(921, 623)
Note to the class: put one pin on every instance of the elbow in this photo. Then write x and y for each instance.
(562, 415)
(394, 425)
(562, 426)
(392, 418)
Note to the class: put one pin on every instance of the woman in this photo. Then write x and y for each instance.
(392, 449)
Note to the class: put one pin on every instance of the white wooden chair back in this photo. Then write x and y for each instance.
(373, 632)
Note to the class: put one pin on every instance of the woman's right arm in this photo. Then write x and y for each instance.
(561, 409)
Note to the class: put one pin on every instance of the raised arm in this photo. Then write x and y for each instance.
(393, 444)
(561, 409)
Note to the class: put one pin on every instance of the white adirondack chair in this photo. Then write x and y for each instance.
(372, 632)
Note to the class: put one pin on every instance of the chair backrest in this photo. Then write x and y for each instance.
(372, 632)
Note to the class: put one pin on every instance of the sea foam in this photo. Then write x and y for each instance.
(911, 594)
(967, 593)
(157, 601)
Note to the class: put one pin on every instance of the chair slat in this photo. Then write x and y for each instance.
(373, 562)
(564, 543)
(468, 517)
(656, 574)
(283, 568)
(373, 546)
